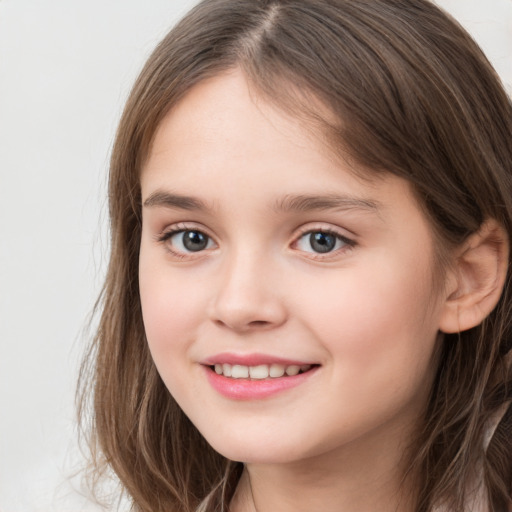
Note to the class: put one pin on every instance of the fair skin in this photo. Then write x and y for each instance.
(259, 246)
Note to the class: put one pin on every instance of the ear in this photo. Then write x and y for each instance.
(476, 279)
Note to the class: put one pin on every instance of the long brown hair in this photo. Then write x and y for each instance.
(409, 92)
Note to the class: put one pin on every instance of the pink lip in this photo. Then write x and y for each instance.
(250, 360)
(247, 389)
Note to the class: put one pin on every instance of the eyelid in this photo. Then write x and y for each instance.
(340, 234)
(172, 229)
(349, 242)
(169, 231)
(313, 227)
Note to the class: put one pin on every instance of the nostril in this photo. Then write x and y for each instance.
(244, 314)
(254, 324)
(258, 323)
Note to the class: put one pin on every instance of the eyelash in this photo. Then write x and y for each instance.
(348, 243)
(165, 236)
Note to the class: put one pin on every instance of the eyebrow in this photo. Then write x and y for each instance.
(305, 203)
(169, 200)
(289, 203)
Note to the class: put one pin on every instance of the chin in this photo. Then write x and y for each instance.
(254, 448)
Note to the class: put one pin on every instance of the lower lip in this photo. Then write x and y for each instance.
(246, 389)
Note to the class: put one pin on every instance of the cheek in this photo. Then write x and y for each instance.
(171, 310)
(378, 323)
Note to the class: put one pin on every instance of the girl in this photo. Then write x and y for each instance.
(308, 300)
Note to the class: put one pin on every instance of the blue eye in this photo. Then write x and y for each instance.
(321, 242)
(189, 240)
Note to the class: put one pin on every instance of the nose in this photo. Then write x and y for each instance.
(248, 297)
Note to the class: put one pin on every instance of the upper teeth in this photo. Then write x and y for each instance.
(262, 371)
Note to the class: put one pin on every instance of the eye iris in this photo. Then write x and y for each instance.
(194, 241)
(322, 242)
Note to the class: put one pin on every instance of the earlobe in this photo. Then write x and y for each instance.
(478, 276)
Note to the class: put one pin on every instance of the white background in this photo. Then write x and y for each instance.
(66, 67)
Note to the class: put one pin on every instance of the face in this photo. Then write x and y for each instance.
(288, 304)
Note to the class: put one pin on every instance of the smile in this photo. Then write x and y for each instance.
(257, 379)
(259, 372)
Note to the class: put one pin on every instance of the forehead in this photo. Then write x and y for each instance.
(223, 136)
(224, 115)
(221, 113)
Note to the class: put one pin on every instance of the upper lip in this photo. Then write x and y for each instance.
(251, 360)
